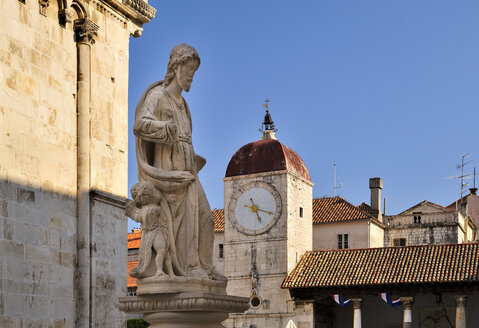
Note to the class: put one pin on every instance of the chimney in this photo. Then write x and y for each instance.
(473, 191)
(376, 184)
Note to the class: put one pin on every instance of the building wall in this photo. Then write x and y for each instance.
(435, 228)
(376, 235)
(38, 163)
(37, 167)
(424, 235)
(217, 261)
(267, 252)
(325, 236)
(300, 229)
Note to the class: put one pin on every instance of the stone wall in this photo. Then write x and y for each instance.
(109, 253)
(38, 159)
(424, 234)
(300, 229)
(433, 228)
(217, 261)
(37, 257)
(271, 253)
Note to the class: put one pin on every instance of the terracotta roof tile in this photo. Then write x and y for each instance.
(134, 240)
(389, 265)
(131, 281)
(219, 216)
(336, 209)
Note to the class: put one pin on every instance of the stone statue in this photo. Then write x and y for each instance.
(156, 231)
(178, 286)
(176, 201)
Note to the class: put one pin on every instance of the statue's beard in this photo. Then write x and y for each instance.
(185, 85)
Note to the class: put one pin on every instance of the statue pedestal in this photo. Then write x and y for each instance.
(184, 310)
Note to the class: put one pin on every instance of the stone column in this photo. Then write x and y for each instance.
(85, 31)
(460, 311)
(407, 315)
(357, 303)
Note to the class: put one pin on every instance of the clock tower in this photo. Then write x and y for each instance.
(268, 226)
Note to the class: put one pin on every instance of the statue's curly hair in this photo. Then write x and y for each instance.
(143, 193)
(180, 54)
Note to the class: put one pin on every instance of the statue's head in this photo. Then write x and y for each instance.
(184, 61)
(144, 193)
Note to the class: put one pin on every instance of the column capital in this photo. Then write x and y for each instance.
(357, 302)
(407, 302)
(460, 300)
(85, 30)
(43, 6)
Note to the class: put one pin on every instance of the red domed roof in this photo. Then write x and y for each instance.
(265, 156)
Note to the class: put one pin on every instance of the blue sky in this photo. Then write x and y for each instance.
(379, 88)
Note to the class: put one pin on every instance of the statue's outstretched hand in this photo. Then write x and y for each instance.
(131, 211)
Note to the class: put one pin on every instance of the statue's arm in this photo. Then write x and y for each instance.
(148, 127)
(132, 211)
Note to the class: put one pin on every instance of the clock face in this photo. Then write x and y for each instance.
(255, 208)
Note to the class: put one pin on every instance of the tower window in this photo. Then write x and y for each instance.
(343, 241)
(399, 242)
(220, 251)
(300, 212)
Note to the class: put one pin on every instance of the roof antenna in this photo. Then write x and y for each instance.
(334, 181)
(463, 176)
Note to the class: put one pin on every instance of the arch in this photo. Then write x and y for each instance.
(64, 15)
(78, 8)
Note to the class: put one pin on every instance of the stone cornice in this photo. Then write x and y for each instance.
(107, 198)
(183, 302)
(138, 11)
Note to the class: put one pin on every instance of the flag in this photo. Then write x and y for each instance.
(338, 298)
(387, 298)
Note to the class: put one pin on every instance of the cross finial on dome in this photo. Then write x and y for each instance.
(268, 128)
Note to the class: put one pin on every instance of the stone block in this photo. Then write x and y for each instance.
(37, 306)
(63, 307)
(38, 254)
(15, 304)
(10, 248)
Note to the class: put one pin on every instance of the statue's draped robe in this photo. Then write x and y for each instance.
(161, 153)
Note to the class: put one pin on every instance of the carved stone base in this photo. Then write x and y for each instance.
(184, 310)
(161, 285)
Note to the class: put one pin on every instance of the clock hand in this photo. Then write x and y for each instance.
(259, 219)
(265, 211)
(248, 206)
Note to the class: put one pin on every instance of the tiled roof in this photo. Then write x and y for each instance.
(219, 216)
(266, 156)
(134, 240)
(336, 209)
(131, 281)
(386, 266)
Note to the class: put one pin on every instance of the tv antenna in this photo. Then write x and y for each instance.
(334, 181)
(463, 176)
